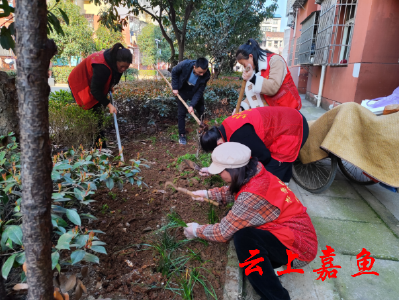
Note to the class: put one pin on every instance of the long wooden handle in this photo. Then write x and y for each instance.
(242, 91)
(178, 96)
(195, 196)
(187, 192)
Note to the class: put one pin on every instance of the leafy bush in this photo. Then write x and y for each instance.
(70, 125)
(76, 176)
(147, 72)
(147, 101)
(62, 96)
(61, 74)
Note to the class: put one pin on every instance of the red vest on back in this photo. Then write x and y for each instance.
(280, 129)
(80, 80)
(293, 227)
(287, 95)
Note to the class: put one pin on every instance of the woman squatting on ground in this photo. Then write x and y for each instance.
(266, 217)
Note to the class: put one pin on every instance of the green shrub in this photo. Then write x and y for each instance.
(61, 74)
(62, 96)
(152, 100)
(76, 175)
(147, 72)
(70, 125)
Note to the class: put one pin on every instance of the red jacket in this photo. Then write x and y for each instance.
(280, 129)
(293, 227)
(287, 95)
(80, 80)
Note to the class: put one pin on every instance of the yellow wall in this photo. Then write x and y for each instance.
(91, 8)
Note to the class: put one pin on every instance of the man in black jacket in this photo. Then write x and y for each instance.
(189, 80)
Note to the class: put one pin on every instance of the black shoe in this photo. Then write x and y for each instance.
(182, 139)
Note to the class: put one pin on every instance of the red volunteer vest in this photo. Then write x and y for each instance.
(80, 80)
(287, 95)
(280, 129)
(293, 227)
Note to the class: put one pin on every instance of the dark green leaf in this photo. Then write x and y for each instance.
(77, 256)
(8, 265)
(14, 232)
(64, 16)
(73, 216)
(91, 258)
(55, 256)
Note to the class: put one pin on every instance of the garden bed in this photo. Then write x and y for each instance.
(132, 217)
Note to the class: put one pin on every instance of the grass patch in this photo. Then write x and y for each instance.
(203, 160)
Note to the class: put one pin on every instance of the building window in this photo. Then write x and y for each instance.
(268, 28)
(308, 38)
(274, 29)
(269, 44)
(275, 22)
(334, 35)
(275, 44)
(281, 43)
(90, 19)
(263, 28)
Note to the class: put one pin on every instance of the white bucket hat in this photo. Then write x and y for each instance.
(229, 156)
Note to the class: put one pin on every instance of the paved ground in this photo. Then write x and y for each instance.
(348, 218)
(59, 87)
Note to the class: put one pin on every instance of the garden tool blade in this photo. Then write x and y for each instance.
(192, 164)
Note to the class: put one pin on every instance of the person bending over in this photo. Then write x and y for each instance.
(189, 79)
(274, 134)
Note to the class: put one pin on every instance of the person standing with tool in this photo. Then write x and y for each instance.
(268, 79)
(189, 79)
(92, 80)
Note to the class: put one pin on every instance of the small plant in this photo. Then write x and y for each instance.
(104, 208)
(76, 176)
(192, 278)
(153, 140)
(112, 195)
(212, 216)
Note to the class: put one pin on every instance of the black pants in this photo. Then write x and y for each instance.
(182, 111)
(283, 170)
(99, 111)
(267, 285)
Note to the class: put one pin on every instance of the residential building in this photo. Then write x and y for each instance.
(343, 50)
(273, 41)
(271, 25)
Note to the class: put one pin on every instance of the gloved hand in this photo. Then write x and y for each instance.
(247, 75)
(204, 172)
(190, 230)
(201, 195)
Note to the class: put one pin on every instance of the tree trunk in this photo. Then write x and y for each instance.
(34, 52)
(181, 50)
(9, 120)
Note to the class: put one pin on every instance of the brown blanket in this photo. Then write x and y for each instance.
(356, 135)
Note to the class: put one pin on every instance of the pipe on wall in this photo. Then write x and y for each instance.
(321, 84)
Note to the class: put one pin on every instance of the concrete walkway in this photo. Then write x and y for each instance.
(348, 218)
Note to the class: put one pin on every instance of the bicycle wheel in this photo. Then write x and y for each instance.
(315, 177)
(353, 173)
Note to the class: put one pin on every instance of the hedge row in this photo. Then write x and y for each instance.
(61, 74)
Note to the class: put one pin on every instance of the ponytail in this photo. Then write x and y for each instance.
(120, 53)
(251, 47)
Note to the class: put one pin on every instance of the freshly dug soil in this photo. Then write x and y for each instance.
(130, 217)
